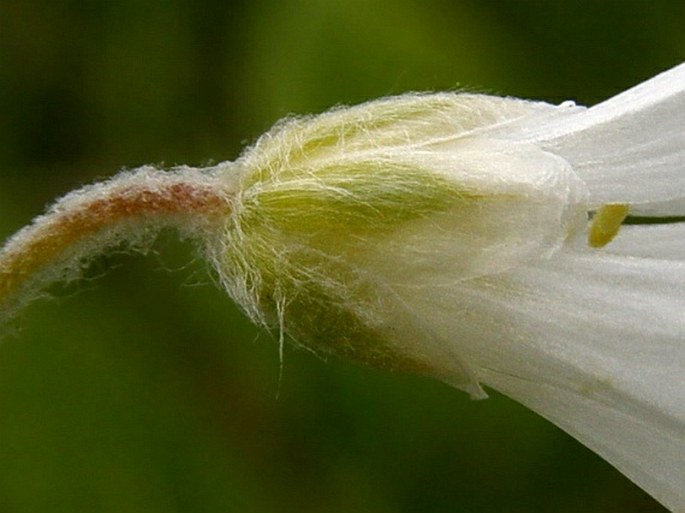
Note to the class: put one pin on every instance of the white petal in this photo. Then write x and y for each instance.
(627, 342)
(630, 148)
(675, 207)
(661, 241)
(593, 342)
(646, 448)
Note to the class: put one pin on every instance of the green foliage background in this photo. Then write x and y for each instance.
(146, 390)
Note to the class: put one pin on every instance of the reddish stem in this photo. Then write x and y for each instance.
(169, 197)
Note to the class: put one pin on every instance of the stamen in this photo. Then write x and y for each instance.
(606, 223)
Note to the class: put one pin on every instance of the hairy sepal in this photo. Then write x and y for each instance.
(340, 216)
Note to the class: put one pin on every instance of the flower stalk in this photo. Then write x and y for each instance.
(87, 222)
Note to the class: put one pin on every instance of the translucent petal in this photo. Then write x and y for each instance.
(532, 202)
(628, 149)
(592, 341)
(675, 207)
(663, 241)
(646, 450)
(622, 322)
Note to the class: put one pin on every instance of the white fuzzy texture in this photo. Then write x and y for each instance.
(500, 289)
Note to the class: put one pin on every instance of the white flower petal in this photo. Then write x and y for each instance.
(675, 207)
(661, 241)
(646, 450)
(593, 342)
(630, 148)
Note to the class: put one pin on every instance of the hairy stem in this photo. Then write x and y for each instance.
(128, 207)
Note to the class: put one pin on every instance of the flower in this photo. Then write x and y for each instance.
(474, 239)
(479, 240)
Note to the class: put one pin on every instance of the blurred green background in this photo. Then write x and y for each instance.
(145, 390)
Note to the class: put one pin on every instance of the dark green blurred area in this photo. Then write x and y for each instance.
(145, 390)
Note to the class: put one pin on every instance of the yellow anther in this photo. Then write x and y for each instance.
(606, 224)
